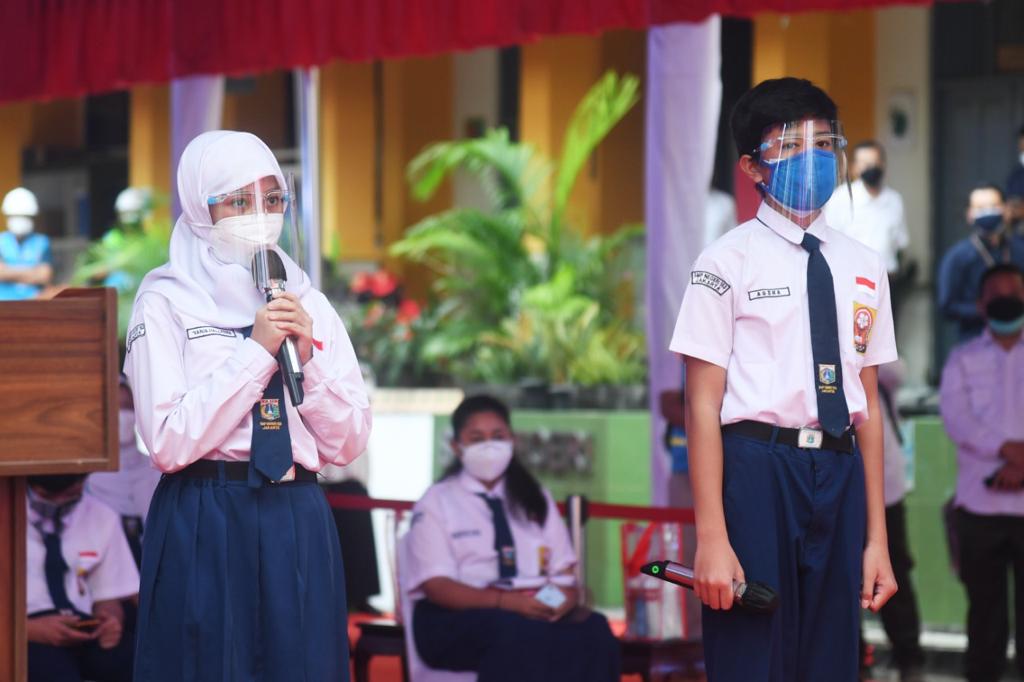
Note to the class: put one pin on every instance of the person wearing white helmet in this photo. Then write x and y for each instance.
(26, 263)
(132, 206)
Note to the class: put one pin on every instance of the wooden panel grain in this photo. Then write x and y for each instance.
(58, 383)
(13, 647)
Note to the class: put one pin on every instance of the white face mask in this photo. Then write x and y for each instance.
(236, 239)
(126, 426)
(19, 225)
(487, 461)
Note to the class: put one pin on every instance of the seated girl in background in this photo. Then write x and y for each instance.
(488, 520)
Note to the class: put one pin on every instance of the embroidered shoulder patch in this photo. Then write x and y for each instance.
(776, 292)
(136, 332)
(709, 280)
(863, 323)
(199, 332)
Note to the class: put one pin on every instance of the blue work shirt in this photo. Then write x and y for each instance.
(32, 251)
(959, 278)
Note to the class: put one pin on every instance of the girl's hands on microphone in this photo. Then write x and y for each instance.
(283, 317)
(715, 569)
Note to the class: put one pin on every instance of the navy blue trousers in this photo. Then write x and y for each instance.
(241, 584)
(501, 646)
(796, 519)
(83, 662)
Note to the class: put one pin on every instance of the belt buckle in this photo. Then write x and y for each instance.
(810, 438)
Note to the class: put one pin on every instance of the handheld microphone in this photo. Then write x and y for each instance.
(752, 596)
(269, 275)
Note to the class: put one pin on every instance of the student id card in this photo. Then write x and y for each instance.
(549, 595)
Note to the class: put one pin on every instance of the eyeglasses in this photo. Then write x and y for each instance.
(242, 202)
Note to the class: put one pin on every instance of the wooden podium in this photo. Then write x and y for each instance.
(58, 414)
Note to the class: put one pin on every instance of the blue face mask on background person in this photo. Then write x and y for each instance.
(1005, 315)
(988, 223)
(804, 182)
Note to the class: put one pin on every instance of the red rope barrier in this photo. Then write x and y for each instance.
(595, 510)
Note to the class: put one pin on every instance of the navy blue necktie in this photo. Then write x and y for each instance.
(503, 542)
(55, 568)
(270, 453)
(833, 414)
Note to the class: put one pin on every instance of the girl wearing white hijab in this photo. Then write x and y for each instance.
(241, 569)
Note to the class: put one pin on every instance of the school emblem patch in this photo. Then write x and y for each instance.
(827, 374)
(863, 323)
(270, 409)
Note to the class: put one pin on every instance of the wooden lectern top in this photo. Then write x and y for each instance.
(58, 383)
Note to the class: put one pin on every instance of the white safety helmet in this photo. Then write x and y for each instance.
(20, 202)
(131, 200)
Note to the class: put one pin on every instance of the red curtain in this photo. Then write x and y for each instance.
(63, 48)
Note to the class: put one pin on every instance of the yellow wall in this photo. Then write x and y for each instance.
(347, 133)
(149, 139)
(835, 50)
(556, 74)
(15, 130)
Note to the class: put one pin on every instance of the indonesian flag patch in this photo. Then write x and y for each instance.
(867, 287)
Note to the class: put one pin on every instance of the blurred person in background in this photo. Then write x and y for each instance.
(26, 263)
(488, 565)
(990, 243)
(1015, 186)
(79, 570)
(129, 490)
(981, 396)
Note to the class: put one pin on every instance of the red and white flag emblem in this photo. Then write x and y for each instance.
(867, 287)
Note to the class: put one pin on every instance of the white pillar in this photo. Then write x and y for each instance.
(197, 106)
(684, 94)
(307, 102)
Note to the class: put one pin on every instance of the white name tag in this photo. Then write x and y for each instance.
(199, 332)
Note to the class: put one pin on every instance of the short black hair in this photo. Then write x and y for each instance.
(869, 144)
(996, 270)
(987, 186)
(773, 102)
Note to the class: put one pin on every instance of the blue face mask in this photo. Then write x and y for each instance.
(988, 223)
(790, 185)
(1005, 315)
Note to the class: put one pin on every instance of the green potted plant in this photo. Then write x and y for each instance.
(520, 294)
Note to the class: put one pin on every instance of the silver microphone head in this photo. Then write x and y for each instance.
(268, 270)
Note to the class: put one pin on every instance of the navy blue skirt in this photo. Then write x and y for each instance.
(241, 584)
(501, 646)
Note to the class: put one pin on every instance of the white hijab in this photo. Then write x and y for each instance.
(194, 281)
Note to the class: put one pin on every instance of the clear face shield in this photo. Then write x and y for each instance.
(802, 163)
(253, 225)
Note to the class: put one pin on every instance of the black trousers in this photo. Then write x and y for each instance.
(900, 617)
(989, 547)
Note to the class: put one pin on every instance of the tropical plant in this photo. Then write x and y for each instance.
(120, 259)
(519, 291)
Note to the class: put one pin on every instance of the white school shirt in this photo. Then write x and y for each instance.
(981, 399)
(877, 222)
(129, 490)
(891, 376)
(100, 563)
(746, 311)
(452, 536)
(195, 385)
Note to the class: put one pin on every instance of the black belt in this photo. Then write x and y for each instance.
(235, 471)
(813, 439)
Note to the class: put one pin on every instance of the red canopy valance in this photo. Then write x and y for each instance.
(62, 48)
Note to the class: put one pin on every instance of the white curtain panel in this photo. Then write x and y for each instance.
(684, 94)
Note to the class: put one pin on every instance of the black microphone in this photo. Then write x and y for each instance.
(751, 596)
(269, 275)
